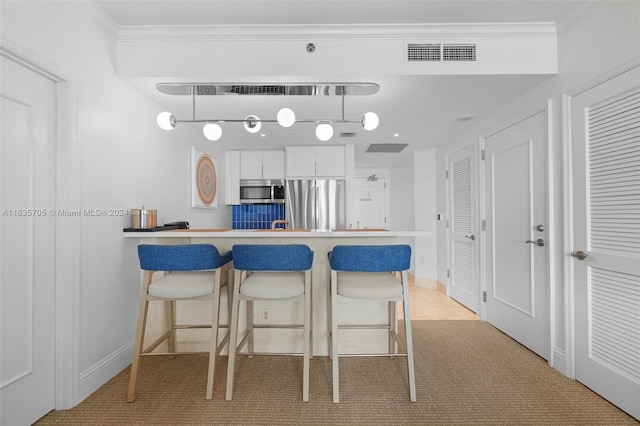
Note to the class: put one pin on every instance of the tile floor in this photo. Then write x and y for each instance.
(433, 304)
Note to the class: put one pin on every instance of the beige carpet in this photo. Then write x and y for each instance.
(467, 373)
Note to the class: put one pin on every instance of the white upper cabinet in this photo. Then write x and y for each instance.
(261, 165)
(251, 165)
(315, 161)
(232, 177)
(272, 164)
(330, 160)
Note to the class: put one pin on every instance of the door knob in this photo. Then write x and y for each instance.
(580, 255)
(539, 242)
(471, 237)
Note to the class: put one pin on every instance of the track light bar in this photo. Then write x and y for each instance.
(285, 117)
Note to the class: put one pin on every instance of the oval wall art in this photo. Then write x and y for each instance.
(204, 179)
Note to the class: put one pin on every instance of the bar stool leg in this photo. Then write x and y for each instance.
(140, 329)
(334, 336)
(393, 327)
(170, 319)
(213, 344)
(307, 336)
(409, 340)
(249, 304)
(233, 337)
(329, 323)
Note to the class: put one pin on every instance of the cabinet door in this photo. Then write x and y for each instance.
(301, 161)
(232, 177)
(251, 165)
(273, 164)
(330, 161)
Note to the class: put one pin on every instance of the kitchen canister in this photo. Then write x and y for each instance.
(143, 218)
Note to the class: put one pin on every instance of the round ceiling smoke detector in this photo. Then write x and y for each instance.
(311, 47)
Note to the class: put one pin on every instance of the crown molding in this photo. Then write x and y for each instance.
(99, 17)
(529, 30)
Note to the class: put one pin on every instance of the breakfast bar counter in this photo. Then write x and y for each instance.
(321, 242)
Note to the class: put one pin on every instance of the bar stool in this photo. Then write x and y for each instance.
(270, 272)
(370, 273)
(191, 272)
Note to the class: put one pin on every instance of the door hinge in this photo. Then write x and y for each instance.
(448, 273)
(482, 155)
(484, 296)
(447, 223)
(446, 174)
(484, 225)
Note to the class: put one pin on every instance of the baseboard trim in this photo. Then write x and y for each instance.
(558, 361)
(104, 370)
(426, 282)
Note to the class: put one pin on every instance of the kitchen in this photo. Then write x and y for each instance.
(111, 154)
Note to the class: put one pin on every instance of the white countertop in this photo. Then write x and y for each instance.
(267, 233)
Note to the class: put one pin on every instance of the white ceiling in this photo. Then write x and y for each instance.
(424, 110)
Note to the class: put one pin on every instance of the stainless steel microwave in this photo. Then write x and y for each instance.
(261, 191)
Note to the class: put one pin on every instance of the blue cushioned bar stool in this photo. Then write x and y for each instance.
(270, 272)
(191, 272)
(371, 273)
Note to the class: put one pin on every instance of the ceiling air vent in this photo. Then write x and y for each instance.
(458, 52)
(347, 134)
(258, 89)
(386, 147)
(423, 52)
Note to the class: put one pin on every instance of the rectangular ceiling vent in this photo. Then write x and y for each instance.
(386, 147)
(459, 52)
(434, 52)
(266, 89)
(423, 52)
(347, 134)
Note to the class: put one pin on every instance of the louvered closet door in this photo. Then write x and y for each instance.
(606, 164)
(463, 280)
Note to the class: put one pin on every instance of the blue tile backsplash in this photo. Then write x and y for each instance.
(256, 216)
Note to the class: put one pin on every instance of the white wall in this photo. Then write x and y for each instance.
(401, 193)
(126, 161)
(425, 217)
(603, 39)
(401, 202)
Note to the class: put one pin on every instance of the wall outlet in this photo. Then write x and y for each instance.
(265, 314)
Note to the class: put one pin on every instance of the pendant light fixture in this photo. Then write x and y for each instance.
(285, 116)
(324, 132)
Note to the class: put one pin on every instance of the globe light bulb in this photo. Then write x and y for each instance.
(370, 121)
(166, 121)
(212, 131)
(286, 117)
(324, 132)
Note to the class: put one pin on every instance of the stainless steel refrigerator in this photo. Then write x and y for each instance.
(315, 204)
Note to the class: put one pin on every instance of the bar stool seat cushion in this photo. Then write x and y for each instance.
(369, 285)
(183, 285)
(273, 285)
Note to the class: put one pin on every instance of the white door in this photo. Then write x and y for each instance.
(515, 213)
(27, 249)
(605, 125)
(462, 283)
(371, 204)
